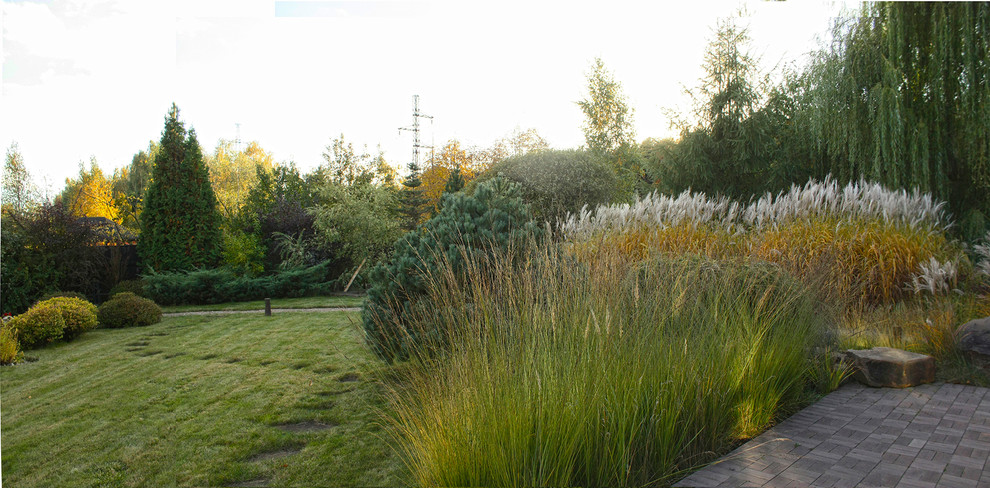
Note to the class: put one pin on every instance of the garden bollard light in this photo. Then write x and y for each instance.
(268, 307)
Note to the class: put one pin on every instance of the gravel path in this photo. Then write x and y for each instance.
(274, 310)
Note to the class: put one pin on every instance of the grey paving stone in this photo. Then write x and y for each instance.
(934, 435)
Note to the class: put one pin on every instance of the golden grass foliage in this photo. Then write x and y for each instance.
(860, 245)
(10, 351)
(861, 261)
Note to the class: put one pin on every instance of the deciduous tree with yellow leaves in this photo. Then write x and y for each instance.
(91, 194)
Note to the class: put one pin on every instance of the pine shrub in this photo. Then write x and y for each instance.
(494, 217)
(128, 310)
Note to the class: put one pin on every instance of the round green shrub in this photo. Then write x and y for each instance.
(128, 310)
(557, 182)
(133, 286)
(41, 325)
(78, 314)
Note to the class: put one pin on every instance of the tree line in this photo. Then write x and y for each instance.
(898, 96)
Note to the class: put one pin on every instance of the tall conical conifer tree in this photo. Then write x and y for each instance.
(180, 225)
(412, 198)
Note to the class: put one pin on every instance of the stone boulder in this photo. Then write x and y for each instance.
(974, 337)
(889, 367)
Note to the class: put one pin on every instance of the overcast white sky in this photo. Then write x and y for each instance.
(95, 78)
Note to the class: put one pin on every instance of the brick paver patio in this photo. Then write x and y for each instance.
(935, 435)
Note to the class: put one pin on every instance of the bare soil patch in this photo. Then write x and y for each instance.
(276, 454)
(305, 426)
(251, 483)
(349, 378)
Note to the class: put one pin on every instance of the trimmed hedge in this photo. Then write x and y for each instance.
(128, 310)
(223, 285)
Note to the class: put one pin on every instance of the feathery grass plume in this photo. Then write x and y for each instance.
(823, 200)
(934, 277)
(983, 256)
(868, 239)
(601, 372)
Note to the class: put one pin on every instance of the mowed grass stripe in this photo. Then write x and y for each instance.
(100, 415)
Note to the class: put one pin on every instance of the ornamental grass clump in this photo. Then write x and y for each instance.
(602, 372)
(10, 348)
(869, 242)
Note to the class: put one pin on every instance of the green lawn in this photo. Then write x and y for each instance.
(304, 302)
(200, 401)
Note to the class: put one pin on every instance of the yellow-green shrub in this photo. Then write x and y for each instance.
(10, 351)
(78, 315)
(128, 310)
(41, 325)
(53, 319)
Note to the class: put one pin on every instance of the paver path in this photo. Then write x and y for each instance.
(935, 435)
(274, 310)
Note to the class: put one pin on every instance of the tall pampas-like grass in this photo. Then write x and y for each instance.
(815, 200)
(871, 241)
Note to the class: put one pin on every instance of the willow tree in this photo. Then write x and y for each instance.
(901, 97)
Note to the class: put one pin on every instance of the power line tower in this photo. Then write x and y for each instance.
(415, 130)
(413, 203)
(237, 138)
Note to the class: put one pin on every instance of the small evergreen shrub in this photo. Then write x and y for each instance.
(128, 310)
(77, 314)
(223, 285)
(132, 286)
(10, 351)
(41, 325)
(494, 217)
